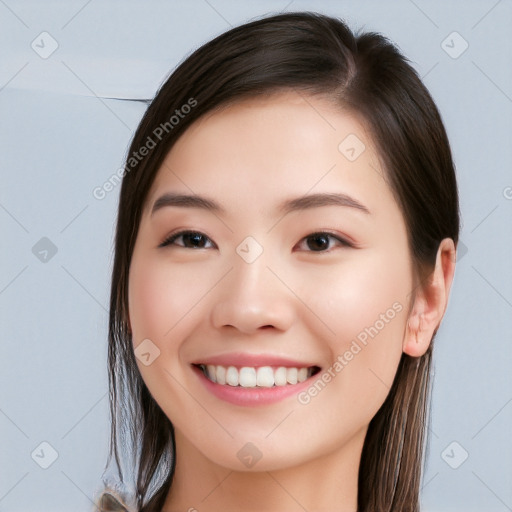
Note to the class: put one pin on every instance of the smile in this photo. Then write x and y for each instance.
(257, 377)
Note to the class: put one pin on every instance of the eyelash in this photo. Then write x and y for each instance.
(172, 238)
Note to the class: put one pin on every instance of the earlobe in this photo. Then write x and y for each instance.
(430, 302)
(417, 335)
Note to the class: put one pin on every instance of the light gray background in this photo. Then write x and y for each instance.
(63, 133)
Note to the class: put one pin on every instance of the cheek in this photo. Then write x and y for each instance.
(161, 296)
(163, 302)
(364, 305)
(353, 295)
(148, 303)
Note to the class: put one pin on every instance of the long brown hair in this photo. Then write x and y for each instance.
(315, 54)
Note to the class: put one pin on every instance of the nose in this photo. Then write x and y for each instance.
(251, 298)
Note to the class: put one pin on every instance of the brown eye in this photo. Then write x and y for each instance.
(318, 242)
(322, 242)
(194, 240)
(188, 240)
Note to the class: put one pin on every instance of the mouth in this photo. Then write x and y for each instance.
(257, 376)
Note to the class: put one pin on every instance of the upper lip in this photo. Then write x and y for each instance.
(253, 360)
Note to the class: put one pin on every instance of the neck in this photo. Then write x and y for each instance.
(326, 483)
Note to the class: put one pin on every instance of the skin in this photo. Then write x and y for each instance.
(291, 301)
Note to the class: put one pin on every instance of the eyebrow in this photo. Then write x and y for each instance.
(290, 205)
(187, 201)
(316, 200)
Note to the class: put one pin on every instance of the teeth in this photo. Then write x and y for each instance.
(302, 374)
(210, 370)
(232, 376)
(291, 375)
(265, 377)
(280, 376)
(220, 375)
(249, 377)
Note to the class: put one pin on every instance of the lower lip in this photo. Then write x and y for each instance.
(251, 396)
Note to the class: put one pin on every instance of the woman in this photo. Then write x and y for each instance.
(284, 253)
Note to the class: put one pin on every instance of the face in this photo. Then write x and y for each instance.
(274, 308)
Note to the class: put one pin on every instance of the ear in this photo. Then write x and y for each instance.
(430, 302)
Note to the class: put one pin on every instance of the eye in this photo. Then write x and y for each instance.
(321, 242)
(189, 240)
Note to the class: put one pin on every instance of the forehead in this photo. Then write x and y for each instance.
(259, 150)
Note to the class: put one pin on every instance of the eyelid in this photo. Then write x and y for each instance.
(343, 241)
(173, 236)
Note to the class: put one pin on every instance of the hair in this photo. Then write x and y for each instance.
(366, 74)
